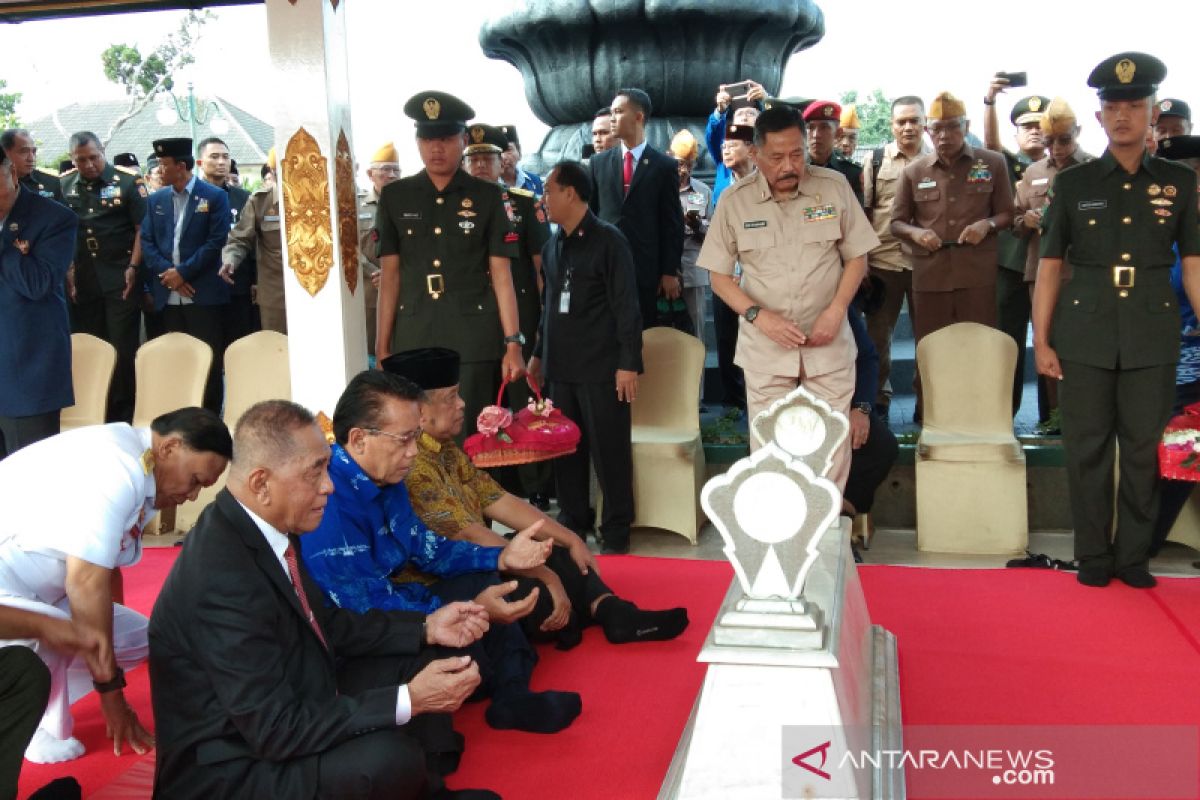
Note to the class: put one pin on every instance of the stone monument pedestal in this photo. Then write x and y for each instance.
(824, 667)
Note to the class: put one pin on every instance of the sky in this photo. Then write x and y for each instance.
(922, 48)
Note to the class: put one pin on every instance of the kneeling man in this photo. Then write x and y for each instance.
(72, 509)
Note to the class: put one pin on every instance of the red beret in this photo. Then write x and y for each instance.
(823, 110)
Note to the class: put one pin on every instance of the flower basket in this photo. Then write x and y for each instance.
(1179, 448)
(538, 432)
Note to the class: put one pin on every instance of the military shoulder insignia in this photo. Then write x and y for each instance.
(520, 191)
(147, 461)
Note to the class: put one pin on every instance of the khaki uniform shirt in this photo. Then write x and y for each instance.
(792, 255)
(258, 229)
(1033, 193)
(368, 246)
(945, 200)
(879, 192)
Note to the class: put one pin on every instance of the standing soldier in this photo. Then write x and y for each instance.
(445, 241)
(18, 144)
(1111, 335)
(384, 169)
(823, 118)
(257, 232)
(110, 202)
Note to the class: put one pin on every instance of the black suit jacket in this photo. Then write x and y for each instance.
(245, 696)
(650, 215)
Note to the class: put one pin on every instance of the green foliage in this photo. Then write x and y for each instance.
(8, 107)
(875, 115)
(729, 428)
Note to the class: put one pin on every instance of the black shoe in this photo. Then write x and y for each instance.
(857, 555)
(465, 794)
(1094, 576)
(1137, 577)
(613, 546)
(539, 501)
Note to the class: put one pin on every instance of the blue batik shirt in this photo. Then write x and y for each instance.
(369, 533)
(1188, 369)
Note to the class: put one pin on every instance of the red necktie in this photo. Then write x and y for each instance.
(289, 556)
(628, 174)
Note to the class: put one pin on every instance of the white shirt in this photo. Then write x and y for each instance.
(637, 157)
(279, 544)
(179, 201)
(85, 493)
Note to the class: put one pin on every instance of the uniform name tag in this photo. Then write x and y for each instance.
(366, 215)
(819, 213)
(1039, 181)
(1092, 205)
(270, 218)
(755, 223)
(927, 184)
(410, 215)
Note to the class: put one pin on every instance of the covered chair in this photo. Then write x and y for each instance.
(668, 458)
(92, 363)
(970, 468)
(256, 369)
(171, 370)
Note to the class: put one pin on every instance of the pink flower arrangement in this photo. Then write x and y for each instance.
(541, 407)
(493, 419)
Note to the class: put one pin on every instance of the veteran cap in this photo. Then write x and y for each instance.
(1127, 76)
(1058, 119)
(385, 155)
(485, 139)
(946, 106)
(1029, 109)
(173, 148)
(127, 160)
(1177, 148)
(822, 111)
(684, 146)
(427, 367)
(849, 120)
(741, 133)
(438, 114)
(1170, 107)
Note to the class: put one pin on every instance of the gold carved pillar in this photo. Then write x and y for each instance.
(324, 298)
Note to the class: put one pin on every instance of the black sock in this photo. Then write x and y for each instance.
(534, 712)
(624, 622)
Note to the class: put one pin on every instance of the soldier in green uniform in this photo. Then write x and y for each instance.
(19, 146)
(823, 120)
(110, 202)
(483, 160)
(1111, 335)
(445, 241)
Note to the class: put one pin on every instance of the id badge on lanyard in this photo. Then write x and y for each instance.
(564, 299)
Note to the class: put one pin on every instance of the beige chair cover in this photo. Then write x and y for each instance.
(92, 363)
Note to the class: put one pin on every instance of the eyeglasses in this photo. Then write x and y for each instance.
(402, 438)
(948, 127)
(1065, 141)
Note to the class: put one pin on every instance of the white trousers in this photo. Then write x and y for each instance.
(69, 676)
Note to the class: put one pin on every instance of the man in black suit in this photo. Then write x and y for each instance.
(590, 345)
(217, 167)
(637, 189)
(258, 689)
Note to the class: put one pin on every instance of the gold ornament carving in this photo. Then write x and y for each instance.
(343, 173)
(306, 211)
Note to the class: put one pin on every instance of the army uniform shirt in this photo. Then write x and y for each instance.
(109, 209)
(1117, 230)
(1012, 250)
(853, 173)
(444, 239)
(946, 200)
(44, 183)
(792, 255)
(533, 231)
(1033, 193)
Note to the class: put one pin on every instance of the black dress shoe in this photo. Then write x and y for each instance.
(465, 794)
(1094, 576)
(1138, 578)
(539, 501)
(615, 547)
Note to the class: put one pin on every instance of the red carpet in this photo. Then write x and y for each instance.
(980, 647)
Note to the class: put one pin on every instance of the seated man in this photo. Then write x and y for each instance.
(259, 690)
(59, 548)
(361, 553)
(452, 497)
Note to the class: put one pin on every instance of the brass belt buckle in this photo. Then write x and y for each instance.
(435, 285)
(1123, 277)
(93, 245)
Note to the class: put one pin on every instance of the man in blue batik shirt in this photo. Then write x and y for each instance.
(372, 551)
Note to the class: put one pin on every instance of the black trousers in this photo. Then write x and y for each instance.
(538, 477)
(239, 318)
(733, 383)
(117, 322)
(24, 692)
(870, 465)
(1100, 408)
(478, 383)
(1013, 308)
(606, 426)
(405, 762)
(17, 432)
(206, 323)
(581, 589)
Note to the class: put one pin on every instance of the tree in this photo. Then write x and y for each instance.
(143, 77)
(875, 116)
(8, 107)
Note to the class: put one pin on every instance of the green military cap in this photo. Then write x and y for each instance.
(1127, 76)
(173, 148)
(438, 114)
(1170, 107)
(1029, 109)
(1177, 148)
(485, 139)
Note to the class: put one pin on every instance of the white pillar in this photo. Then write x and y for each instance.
(326, 323)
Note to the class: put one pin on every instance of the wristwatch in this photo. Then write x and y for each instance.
(751, 313)
(516, 338)
(117, 682)
(991, 223)
(863, 407)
